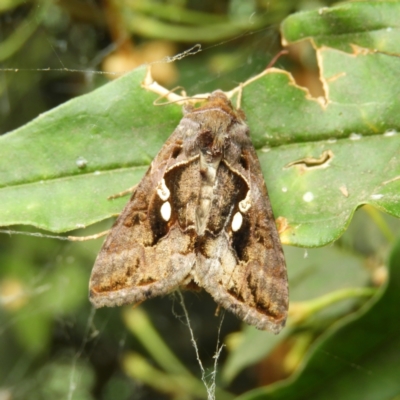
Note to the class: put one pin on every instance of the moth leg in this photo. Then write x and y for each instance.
(85, 238)
(131, 190)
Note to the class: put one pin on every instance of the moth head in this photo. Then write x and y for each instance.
(219, 95)
(219, 99)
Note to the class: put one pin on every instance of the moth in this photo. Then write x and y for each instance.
(200, 218)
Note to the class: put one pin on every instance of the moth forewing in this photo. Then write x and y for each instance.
(201, 216)
(136, 261)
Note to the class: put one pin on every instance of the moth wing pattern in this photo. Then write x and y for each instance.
(135, 263)
(200, 217)
(242, 266)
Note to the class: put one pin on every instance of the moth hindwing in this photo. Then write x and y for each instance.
(200, 216)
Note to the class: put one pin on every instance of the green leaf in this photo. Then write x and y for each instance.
(355, 360)
(369, 24)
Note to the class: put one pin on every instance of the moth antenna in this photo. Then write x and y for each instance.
(239, 97)
(151, 85)
(188, 99)
(169, 92)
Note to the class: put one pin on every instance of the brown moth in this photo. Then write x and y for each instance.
(200, 217)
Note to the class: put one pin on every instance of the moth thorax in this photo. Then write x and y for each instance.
(208, 174)
(204, 206)
(209, 167)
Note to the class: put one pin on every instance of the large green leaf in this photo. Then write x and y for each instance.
(57, 172)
